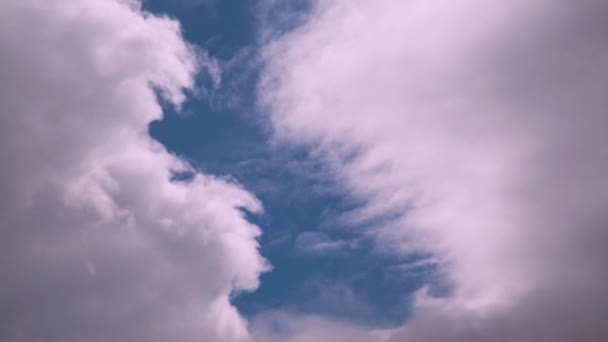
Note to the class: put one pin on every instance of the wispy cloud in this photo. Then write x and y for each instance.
(484, 133)
(318, 243)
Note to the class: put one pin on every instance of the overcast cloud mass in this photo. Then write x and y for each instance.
(473, 132)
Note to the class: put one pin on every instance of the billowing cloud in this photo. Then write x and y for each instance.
(481, 126)
(97, 242)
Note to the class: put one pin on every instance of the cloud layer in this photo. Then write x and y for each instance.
(97, 242)
(481, 127)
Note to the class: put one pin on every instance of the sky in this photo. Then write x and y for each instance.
(302, 170)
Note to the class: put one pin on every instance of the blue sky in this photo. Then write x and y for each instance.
(320, 265)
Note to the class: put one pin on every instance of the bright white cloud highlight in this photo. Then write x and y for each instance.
(487, 121)
(97, 243)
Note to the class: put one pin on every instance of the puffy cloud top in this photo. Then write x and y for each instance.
(97, 242)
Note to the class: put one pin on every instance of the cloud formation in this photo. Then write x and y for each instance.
(97, 243)
(481, 126)
(279, 326)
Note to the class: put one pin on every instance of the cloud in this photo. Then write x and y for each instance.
(318, 244)
(483, 135)
(97, 243)
(279, 326)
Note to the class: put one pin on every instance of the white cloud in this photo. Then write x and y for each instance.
(279, 326)
(487, 120)
(97, 243)
(317, 244)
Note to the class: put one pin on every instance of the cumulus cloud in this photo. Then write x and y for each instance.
(97, 242)
(481, 126)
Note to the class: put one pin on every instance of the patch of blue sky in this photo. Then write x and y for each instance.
(321, 264)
